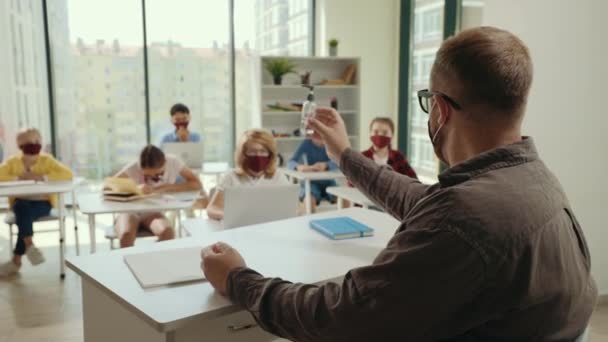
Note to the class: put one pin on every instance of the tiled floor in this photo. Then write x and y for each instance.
(37, 306)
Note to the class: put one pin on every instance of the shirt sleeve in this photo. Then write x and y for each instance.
(297, 156)
(396, 193)
(401, 296)
(58, 171)
(225, 182)
(195, 137)
(6, 171)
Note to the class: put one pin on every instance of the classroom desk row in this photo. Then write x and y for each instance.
(92, 204)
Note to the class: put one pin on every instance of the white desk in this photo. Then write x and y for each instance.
(92, 204)
(48, 188)
(350, 194)
(116, 308)
(307, 177)
(201, 226)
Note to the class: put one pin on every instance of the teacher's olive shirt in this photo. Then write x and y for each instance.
(493, 252)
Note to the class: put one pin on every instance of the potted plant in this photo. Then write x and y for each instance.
(333, 47)
(278, 67)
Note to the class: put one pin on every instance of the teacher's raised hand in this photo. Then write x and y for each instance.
(329, 127)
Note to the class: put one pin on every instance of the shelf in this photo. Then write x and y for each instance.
(317, 87)
(279, 113)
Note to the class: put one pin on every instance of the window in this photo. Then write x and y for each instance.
(88, 141)
(428, 28)
(98, 71)
(190, 63)
(23, 93)
(276, 40)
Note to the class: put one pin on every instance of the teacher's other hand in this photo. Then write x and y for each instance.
(217, 261)
(329, 127)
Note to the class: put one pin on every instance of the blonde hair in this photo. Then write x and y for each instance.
(23, 132)
(262, 137)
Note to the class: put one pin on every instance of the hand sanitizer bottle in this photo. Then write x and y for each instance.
(308, 111)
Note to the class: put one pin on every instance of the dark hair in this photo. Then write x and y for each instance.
(151, 157)
(179, 108)
(491, 67)
(385, 120)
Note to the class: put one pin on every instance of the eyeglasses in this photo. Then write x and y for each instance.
(257, 153)
(425, 95)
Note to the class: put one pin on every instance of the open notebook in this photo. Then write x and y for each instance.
(161, 268)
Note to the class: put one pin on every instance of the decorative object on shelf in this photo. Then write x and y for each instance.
(334, 103)
(296, 133)
(305, 77)
(348, 77)
(284, 107)
(333, 47)
(278, 67)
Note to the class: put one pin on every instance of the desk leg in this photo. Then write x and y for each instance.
(92, 232)
(307, 197)
(178, 218)
(76, 238)
(340, 203)
(61, 237)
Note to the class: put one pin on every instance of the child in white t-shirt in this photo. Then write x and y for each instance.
(155, 172)
(256, 164)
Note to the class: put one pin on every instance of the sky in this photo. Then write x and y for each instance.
(193, 23)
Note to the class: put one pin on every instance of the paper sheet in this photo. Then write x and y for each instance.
(160, 268)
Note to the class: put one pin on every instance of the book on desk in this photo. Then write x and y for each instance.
(341, 228)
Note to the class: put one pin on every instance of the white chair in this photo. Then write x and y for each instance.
(10, 220)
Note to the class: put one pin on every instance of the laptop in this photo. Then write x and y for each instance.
(191, 153)
(245, 206)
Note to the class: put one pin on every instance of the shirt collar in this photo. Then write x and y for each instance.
(518, 153)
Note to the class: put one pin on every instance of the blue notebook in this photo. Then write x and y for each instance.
(340, 228)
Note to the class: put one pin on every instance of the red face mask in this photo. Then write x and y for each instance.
(381, 141)
(179, 125)
(31, 149)
(257, 163)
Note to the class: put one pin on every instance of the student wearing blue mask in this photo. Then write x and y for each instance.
(311, 156)
(180, 118)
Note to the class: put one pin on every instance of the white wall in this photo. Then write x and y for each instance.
(567, 110)
(370, 30)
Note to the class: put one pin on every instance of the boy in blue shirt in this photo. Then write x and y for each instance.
(312, 157)
(180, 117)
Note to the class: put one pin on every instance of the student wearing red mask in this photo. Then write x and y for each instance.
(30, 164)
(256, 164)
(381, 131)
(154, 172)
(180, 118)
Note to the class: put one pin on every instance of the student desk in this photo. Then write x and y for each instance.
(49, 188)
(350, 194)
(116, 308)
(307, 177)
(92, 204)
(198, 227)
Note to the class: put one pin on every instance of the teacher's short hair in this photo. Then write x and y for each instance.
(486, 67)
